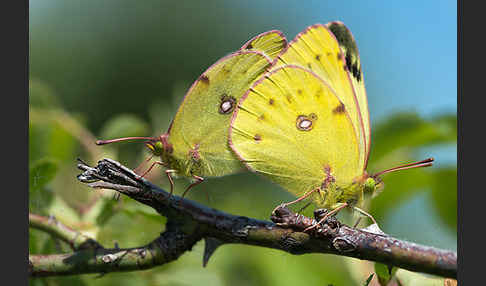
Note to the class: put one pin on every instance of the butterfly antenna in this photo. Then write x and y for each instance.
(104, 142)
(424, 163)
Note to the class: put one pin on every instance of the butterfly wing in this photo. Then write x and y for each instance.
(316, 48)
(199, 131)
(350, 49)
(291, 127)
(271, 43)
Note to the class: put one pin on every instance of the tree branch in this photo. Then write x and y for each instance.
(166, 248)
(189, 222)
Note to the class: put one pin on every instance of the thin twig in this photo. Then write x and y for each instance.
(51, 225)
(166, 248)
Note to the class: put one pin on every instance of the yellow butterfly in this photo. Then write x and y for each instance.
(196, 144)
(305, 124)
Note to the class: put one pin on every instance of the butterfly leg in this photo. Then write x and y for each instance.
(141, 164)
(197, 182)
(334, 211)
(151, 166)
(297, 200)
(304, 207)
(168, 173)
(366, 214)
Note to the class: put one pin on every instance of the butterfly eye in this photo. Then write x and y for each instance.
(227, 104)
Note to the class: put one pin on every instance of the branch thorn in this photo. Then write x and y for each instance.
(210, 245)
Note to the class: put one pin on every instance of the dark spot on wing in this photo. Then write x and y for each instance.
(339, 109)
(261, 117)
(304, 122)
(318, 57)
(347, 44)
(271, 101)
(289, 98)
(339, 56)
(227, 104)
(348, 62)
(257, 137)
(344, 37)
(309, 66)
(204, 79)
(299, 91)
(226, 70)
(355, 70)
(250, 46)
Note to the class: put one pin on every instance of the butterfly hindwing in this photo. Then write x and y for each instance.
(291, 127)
(317, 49)
(199, 132)
(271, 43)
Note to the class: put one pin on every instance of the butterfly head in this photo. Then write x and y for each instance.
(159, 146)
(371, 184)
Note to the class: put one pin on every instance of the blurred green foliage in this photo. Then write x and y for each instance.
(86, 86)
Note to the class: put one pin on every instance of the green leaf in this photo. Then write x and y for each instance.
(444, 196)
(411, 131)
(67, 280)
(41, 281)
(133, 209)
(51, 245)
(384, 273)
(398, 187)
(405, 277)
(61, 144)
(33, 242)
(107, 211)
(398, 139)
(38, 137)
(123, 126)
(40, 174)
(48, 138)
(129, 230)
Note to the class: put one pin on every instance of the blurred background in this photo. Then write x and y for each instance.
(106, 69)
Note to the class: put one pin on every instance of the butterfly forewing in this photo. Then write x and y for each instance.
(292, 128)
(350, 49)
(199, 132)
(317, 49)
